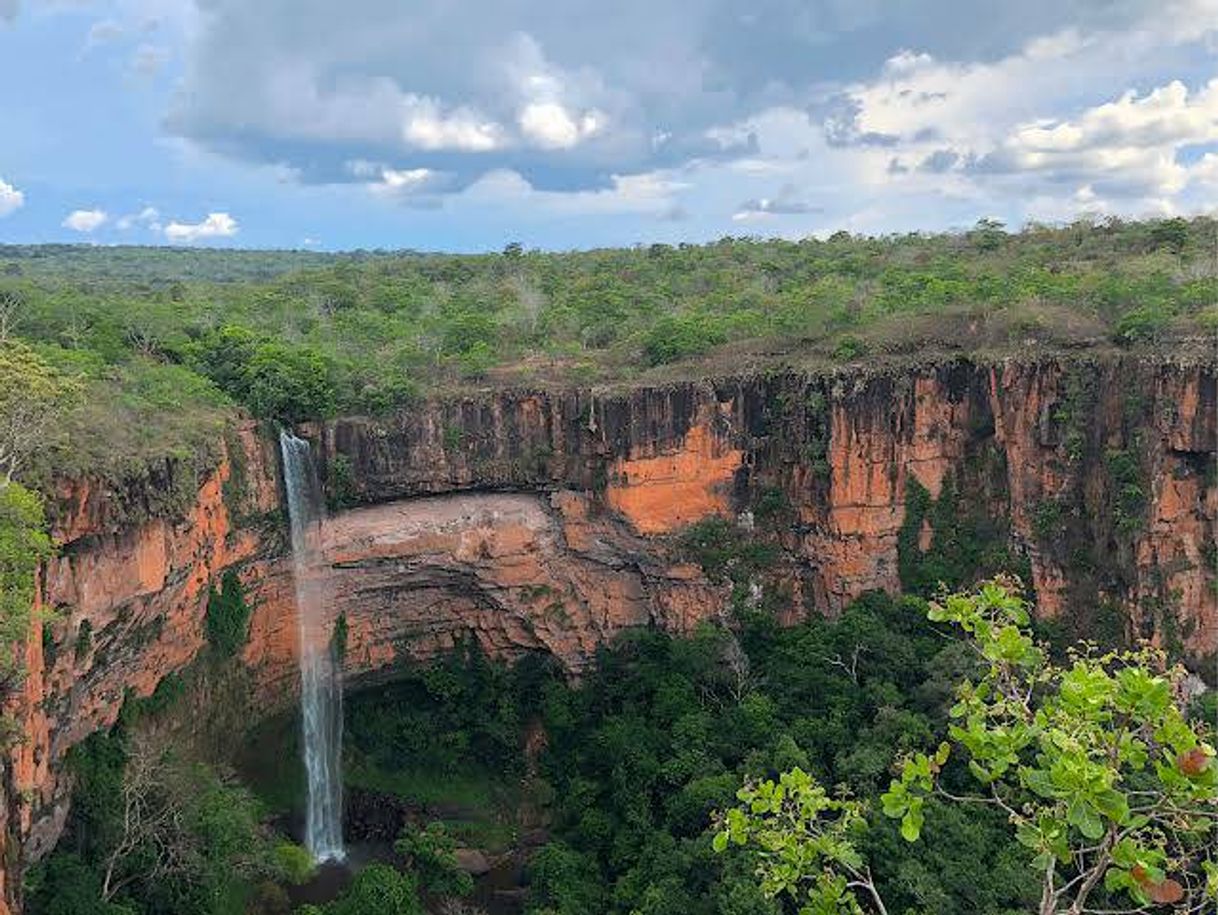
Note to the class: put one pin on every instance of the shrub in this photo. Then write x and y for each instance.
(849, 348)
(293, 862)
(23, 544)
(430, 853)
(290, 384)
(228, 615)
(340, 483)
(1141, 325)
(84, 640)
(338, 641)
(675, 338)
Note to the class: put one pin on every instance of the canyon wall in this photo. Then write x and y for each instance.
(551, 521)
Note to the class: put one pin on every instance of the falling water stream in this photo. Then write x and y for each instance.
(321, 709)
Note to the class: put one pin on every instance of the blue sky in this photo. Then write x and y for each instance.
(464, 124)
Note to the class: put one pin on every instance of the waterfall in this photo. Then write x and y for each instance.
(321, 697)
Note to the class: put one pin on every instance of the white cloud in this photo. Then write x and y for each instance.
(216, 225)
(10, 198)
(426, 127)
(149, 217)
(1206, 170)
(1166, 115)
(1131, 143)
(396, 182)
(548, 125)
(85, 220)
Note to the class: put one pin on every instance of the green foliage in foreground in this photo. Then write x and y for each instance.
(1104, 782)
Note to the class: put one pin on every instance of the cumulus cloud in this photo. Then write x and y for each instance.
(416, 187)
(800, 115)
(564, 93)
(550, 126)
(85, 221)
(1206, 170)
(1028, 129)
(1129, 145)
(10, 198)
(148, 217)
(426, 127)
(215, 225)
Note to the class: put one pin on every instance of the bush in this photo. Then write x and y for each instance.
(849, 348)
(675, 338)
(66, 885)
(378, 890)
(1141, 325)
(275, 380)
(228, 615)
(294, 863)
(564, 881)
(290, 384)
(23, 544)
(430, 853)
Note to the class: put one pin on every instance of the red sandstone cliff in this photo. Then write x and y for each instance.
(539, 521)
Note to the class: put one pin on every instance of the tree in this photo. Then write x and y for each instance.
(564, 881)
(11, 304)
(228, 615)
(378, 890)
(289, 383)
(32, 396)
(160, 833)
(24, 543)
(1104, 780)
(1109, 788)
(805, 842)
(151, 825)
(65, 885)
(431, 854)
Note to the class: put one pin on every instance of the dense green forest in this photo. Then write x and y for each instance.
(644, 761)
(166, 342)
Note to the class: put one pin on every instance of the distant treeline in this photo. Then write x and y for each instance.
(168, 340)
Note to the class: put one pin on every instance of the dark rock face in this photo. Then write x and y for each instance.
(544, 521)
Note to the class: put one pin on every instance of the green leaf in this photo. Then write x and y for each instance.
(1084, 818)
(911, 823)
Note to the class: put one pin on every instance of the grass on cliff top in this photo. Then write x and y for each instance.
(170, 341)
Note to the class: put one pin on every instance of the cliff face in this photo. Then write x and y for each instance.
(539, 521)
(1095, 475)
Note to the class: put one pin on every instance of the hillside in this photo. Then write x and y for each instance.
(169, 341)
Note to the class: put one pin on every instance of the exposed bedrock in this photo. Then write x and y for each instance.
(544, 521)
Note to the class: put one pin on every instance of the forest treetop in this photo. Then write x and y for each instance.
(168, 342)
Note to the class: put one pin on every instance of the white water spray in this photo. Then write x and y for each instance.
(321, 697)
